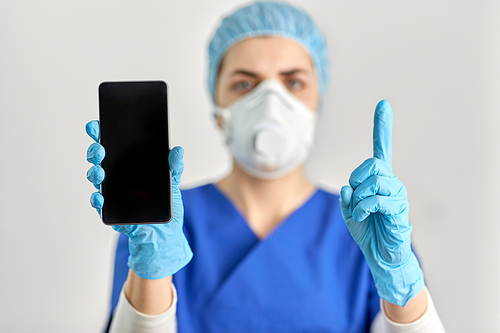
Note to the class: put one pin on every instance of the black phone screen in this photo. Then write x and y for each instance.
(133, 120)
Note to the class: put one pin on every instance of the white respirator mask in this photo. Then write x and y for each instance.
(268, 130)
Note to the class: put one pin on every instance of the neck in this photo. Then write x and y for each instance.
(265, 203)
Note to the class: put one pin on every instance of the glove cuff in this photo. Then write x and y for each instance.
(398, 285)
(161, 261)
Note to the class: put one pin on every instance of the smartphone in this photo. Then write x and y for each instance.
(133, 119)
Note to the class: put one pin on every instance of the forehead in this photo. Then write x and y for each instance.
(266, 54)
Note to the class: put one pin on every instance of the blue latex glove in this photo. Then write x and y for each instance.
(95, 155)
(375, 209)
(156, 250)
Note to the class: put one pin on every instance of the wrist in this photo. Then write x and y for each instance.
(398, 285)
(412, 311)
(150, 297)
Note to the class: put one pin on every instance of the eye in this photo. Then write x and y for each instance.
(294, 84)
(243, 86)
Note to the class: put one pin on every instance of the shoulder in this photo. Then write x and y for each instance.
(327, 196)
(326, 202)
(325, 209)
(198, 197)
(201, 202)
(195, 192)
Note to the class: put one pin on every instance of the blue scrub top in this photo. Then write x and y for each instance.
(308, 275)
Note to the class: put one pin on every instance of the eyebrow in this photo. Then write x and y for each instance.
(294, 71)
(286, 73)
(247, 73)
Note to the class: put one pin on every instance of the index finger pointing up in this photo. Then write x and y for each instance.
(382, 132)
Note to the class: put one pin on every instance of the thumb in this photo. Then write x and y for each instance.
(345, 199)
(176, 163)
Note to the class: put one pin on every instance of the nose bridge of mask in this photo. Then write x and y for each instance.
(274, 91)
(272, 106)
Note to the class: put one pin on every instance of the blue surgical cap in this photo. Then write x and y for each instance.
(268, 19)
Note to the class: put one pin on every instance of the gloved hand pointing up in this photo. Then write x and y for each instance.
(375, 210)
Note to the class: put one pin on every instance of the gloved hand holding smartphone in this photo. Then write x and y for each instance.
(136, 197)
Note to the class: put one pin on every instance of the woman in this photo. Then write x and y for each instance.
(272, 252)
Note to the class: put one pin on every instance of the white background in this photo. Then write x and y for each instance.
(437, 62)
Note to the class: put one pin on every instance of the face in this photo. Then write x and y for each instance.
(254, 60)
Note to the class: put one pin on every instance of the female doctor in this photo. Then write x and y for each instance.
(272, 252)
